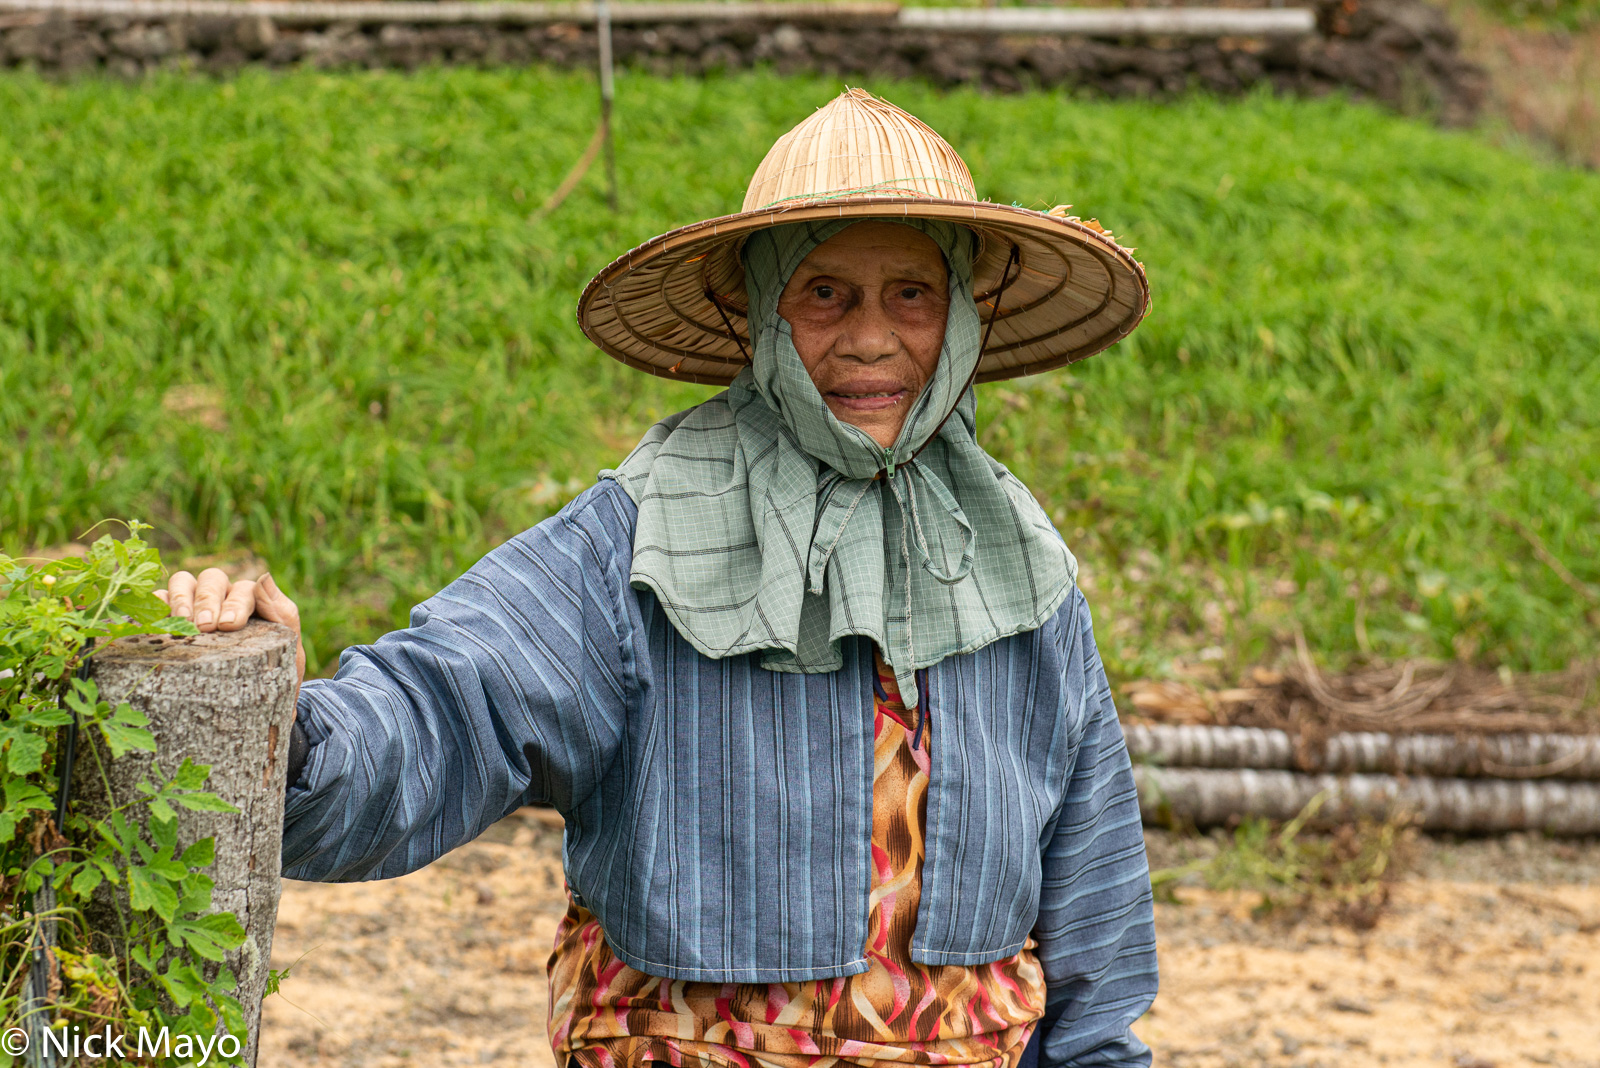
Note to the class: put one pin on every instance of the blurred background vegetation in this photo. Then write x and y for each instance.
(307, 321)
(1543, 61)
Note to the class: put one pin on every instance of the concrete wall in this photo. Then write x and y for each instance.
(1401, 52)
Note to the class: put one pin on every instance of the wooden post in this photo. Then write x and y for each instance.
(607, 94)
(225, 700)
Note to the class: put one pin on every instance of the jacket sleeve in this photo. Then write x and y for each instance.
(510, 686)
(1096, 925)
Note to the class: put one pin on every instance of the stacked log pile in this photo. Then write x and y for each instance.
(1401, 52)
(1462, 753)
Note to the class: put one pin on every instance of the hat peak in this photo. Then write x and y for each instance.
(858, 145)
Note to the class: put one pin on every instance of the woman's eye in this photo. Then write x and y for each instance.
(910, 293)
(823, 292)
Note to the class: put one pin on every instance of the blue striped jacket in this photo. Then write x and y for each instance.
(718, 814)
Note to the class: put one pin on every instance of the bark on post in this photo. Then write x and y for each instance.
(225, 700)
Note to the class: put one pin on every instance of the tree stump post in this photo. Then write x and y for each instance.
(227, 701)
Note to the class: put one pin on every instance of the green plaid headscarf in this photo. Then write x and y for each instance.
(761, 528)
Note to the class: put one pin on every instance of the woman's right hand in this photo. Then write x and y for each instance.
(212, 602)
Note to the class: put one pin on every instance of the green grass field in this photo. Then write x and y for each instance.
(307, 316)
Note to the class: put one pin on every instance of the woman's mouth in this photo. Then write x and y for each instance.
(868, 402)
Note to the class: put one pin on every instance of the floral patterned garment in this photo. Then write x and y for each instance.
(604, 1014)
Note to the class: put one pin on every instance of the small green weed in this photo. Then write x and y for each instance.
(1542, 14)
(1345, 874)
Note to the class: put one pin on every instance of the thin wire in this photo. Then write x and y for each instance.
(716, 302)
(70, 744)
(1013, 260)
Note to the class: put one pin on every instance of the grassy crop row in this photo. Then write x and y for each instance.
(308, 316)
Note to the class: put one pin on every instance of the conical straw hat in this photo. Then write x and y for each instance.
(675, 306)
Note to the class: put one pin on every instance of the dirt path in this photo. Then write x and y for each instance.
(1491, 956)
(1463, 974)
(443, 967)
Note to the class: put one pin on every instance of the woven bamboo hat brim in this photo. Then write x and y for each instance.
(675, 306)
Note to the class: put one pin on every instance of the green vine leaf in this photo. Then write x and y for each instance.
(120, 739)
(24, 751)
(164, 833)
(83, 697)
(169, 869)
(201, 854)
(210, 936)
(184, 985)
(191, 776)
(42, 716)
(148, 892)
(203, 802)
(21, 796)
(128, 716)
(20, 793)
(103, 865)
(87, 879)
(196, 893)
(232, 1011)
(125, 730)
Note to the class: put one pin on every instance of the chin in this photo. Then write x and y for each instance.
(883, 435)
(873, 428)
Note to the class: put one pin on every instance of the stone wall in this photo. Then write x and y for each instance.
(1401, 52)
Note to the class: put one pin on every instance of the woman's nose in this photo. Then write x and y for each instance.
(868, 333)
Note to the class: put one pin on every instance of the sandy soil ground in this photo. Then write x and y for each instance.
(1489, 956)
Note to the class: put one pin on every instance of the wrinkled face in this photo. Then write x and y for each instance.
(867, 310)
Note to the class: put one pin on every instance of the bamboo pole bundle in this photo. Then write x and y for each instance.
(1502, 756)
(1210, 796)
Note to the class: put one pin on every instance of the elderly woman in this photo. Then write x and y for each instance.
(808, 675)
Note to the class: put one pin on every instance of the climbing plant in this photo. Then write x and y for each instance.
(118, 910)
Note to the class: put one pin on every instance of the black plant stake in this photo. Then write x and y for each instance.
(35, 996)
(64, 759)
